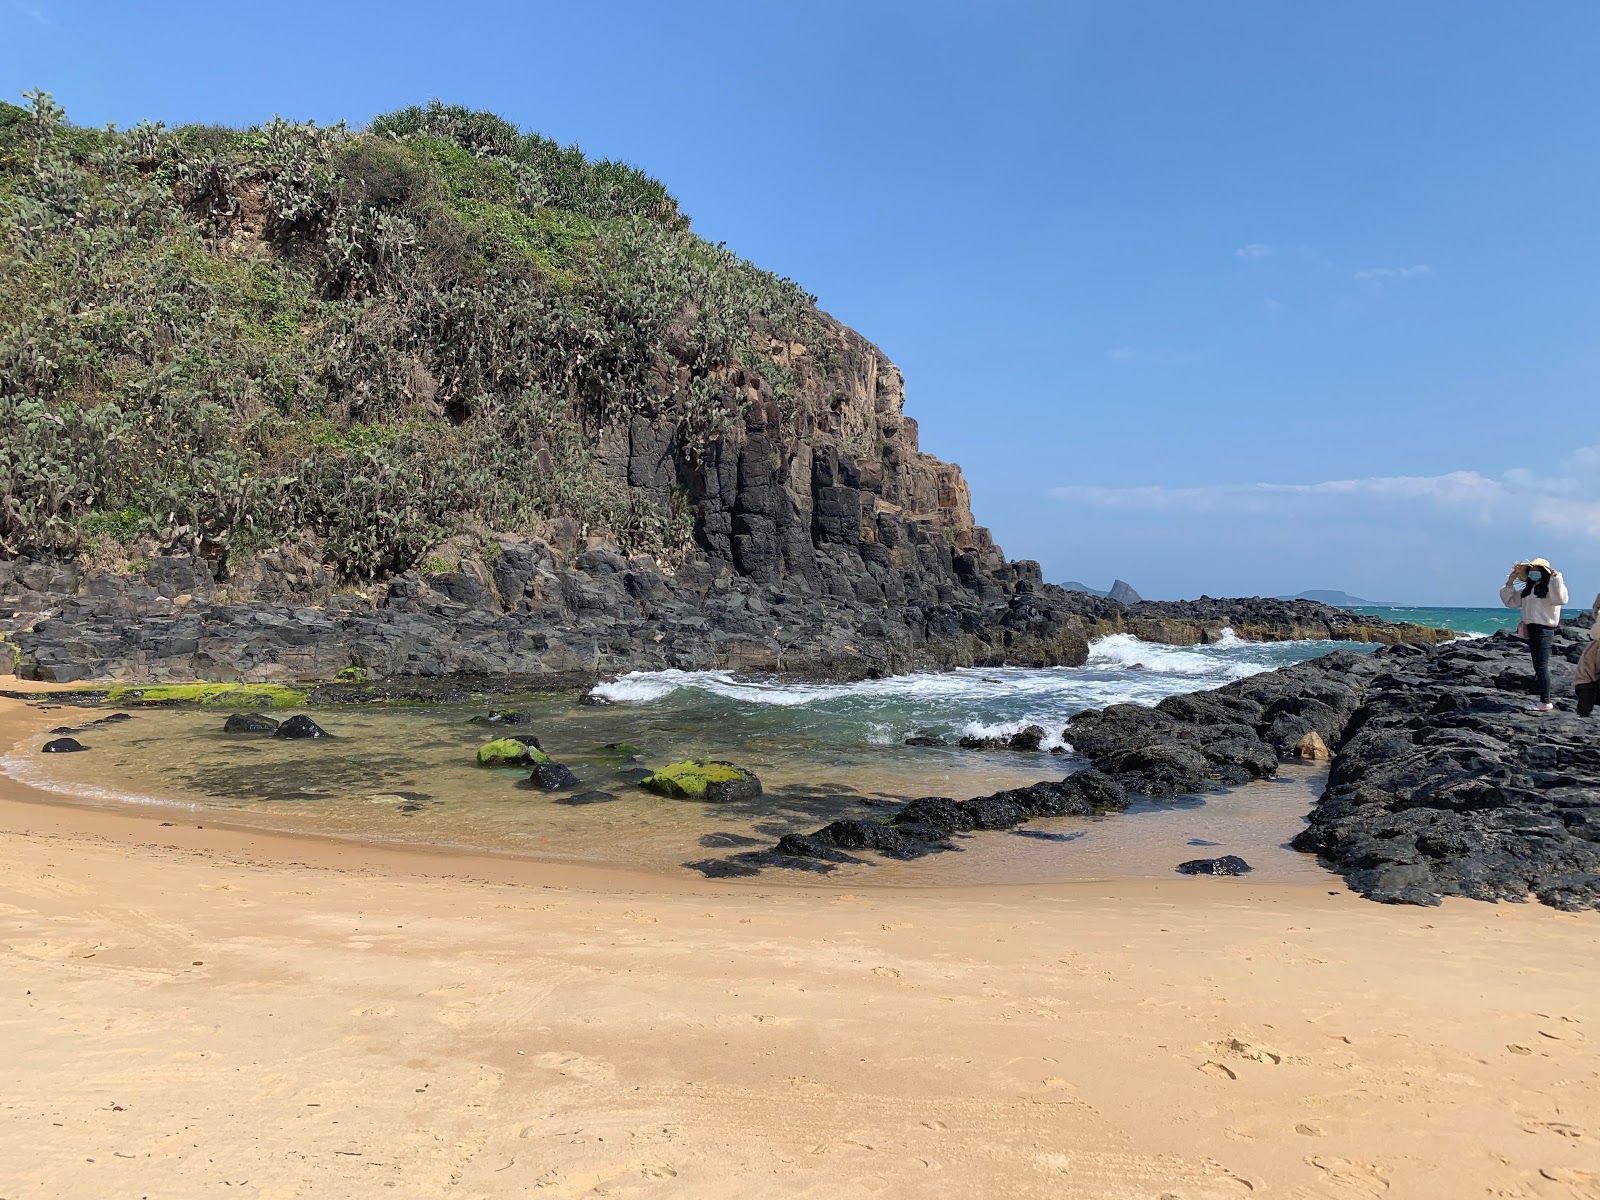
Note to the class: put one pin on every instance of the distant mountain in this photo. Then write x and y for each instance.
(1121, 591)
(1341, 599)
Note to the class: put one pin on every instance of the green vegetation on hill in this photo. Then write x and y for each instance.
(225, 339)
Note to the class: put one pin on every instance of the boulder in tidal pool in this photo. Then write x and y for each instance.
(64, 745)
(551, 777)
(249, 723)
(504, 716)
(1228, 864)
(300, 726)
(510, 752)
(697, 780)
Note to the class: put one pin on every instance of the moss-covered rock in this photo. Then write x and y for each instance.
(510, 752)
(211, 695)
(697, 780)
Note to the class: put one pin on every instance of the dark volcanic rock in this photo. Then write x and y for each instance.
(922, 740)
(1228, 864)
(551, 777)
(1446, 785)
(300, 726)
(249, 723)
(64, 745)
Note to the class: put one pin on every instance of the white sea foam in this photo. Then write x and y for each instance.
(1227, 658)
(1051, 725)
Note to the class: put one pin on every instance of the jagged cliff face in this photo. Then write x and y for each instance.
(813, 496)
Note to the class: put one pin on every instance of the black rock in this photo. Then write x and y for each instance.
(591, 797)
(921, 740)
(593, 701)
(1029, 738)
(64, 745)
(746, 787)
(65, 729)
(113, 718)
(250, 723)
(551, 777)
(503, 716)
(1228, 864)
(300, 726)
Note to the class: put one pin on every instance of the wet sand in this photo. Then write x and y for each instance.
(196, 1011)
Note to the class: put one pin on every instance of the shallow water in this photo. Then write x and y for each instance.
(407, 773)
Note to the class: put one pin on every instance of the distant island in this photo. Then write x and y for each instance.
(1340, 599)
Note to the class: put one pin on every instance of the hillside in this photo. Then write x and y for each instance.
(481, 403)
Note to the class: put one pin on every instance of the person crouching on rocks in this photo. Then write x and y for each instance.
(1542, 595)
(1587, 684)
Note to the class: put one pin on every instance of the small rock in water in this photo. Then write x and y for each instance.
(300, 726)
(249, 723)
(64, 745)
(551, 777)
(593, 797)
(1202, 842)
(593, 701)
(1228, 864)
(114, 718)
(504, 716)
(65, 729)
(923, 740)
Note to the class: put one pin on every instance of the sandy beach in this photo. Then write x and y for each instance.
(198, 1010)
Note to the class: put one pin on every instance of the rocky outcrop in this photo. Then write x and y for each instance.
(522, 612)
(1447, 785)
(1263, 619)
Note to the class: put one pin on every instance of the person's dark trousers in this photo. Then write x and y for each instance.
(1539, 637)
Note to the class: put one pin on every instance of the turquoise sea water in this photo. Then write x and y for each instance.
(1467, 620)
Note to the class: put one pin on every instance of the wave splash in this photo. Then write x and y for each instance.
(972, 701)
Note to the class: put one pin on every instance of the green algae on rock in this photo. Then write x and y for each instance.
(696, 780)
(509, 752)
(212, 695)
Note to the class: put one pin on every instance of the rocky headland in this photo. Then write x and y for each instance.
(440, 398)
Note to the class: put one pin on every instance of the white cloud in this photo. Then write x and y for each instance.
(1122, 353)
(1384, 274)
(1253, 250)
(1272, 305)
(1561, 503)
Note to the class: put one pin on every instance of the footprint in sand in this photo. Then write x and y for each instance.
(886, 972)
(1352, 1179)
(1217, 1071)
(1232, 1047)
(1559, 1128)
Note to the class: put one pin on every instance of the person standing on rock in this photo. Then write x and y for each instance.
(1542, 595)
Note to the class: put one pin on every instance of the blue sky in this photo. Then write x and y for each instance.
(1228, 297)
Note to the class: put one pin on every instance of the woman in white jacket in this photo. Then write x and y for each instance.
(1542, 595)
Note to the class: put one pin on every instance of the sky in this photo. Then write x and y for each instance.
(1224, 298)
